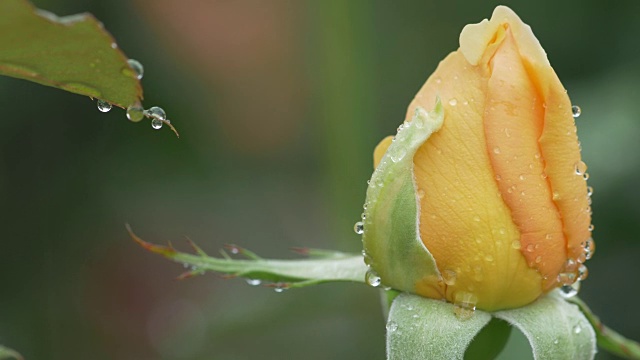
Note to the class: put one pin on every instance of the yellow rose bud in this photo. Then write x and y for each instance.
(500, 206)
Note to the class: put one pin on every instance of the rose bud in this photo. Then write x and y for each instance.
(482, 201)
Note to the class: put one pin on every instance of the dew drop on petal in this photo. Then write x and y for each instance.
(576, 111)
(583, 272)
(449, 277)
(104, 106)
(580, 168)
(453, 102)
(359, 228)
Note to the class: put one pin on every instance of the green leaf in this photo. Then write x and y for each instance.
(607, 338)
(74, 53)
(391, 235)
(555, 328)
(419, 328)
(6, 353)
(331, 266)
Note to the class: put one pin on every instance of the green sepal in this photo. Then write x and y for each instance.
(555, 328)
(392, 243)
(419, 328)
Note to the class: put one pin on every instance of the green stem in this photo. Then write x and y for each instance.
(609, 339)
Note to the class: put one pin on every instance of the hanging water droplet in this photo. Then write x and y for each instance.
(280, 287)
(254, 282)
(589, 190)
(589, 248)
(135, 113)
(583, 272)
(156, 124)
(156, 112)
(576, 111)
(568, 291)
(137, 68)
(591, 227)
(359, 228)
(372, 278)
(104, 106)
(580, 168)
(363, 216)
(392, 326)
(570, 265)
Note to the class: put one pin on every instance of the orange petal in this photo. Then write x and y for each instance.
(464, 221)
(513, 123)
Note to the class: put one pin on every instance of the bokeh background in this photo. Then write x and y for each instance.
(279, 104)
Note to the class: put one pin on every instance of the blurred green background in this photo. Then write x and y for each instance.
(279, 104)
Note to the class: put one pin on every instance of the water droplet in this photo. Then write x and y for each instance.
(521, 177)
(398, 155)
(589, 248)
(476, 218)
(254, 282)
(280, 287)
(585, 176)
(580, 168)
(530, 247)
(591, 227)
(453, 102)
(488, 258)
(156, 112)
(104, 106)
(538, 259)
(570, 265)
(137, 68)
(516, 244)
(372, 278)
(135, 113)
(449, 277)
(359, 228)
(363, 216)
(583, 272)
(392, 326)
(114, 45)
(577, 329)
(589, 190)
(465, 304)
(496, 150)
(568, 291)
(156, 124)
(576, 111)
(556, 341)
(556, 196)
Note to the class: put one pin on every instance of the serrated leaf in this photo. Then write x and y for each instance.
(419, 328)
(281, 273)
(6, 353)
(391, 230)
(74, 53)
(555, 328)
